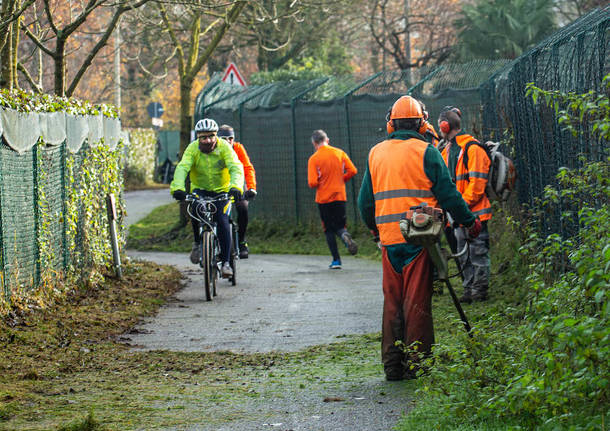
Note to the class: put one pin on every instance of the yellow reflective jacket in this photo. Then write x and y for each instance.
(217, 171)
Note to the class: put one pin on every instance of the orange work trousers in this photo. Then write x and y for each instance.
(407, 310)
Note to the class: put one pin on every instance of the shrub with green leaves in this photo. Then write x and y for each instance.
(141, 153)
(543, 365)
(541, 362)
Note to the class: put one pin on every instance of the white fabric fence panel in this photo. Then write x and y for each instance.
(21, 129)
(112, 132)
(96, 130)
(53, 127)
(77, 130)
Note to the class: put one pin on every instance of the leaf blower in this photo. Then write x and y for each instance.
(423, 225)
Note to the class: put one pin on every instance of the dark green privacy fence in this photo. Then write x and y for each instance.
(275, 121)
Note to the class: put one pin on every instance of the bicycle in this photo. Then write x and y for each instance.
(203, 209)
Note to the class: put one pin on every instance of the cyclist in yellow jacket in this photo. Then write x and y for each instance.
(405, 171)
(469, 165)
(213, 168)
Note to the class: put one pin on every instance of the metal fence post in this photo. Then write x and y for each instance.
(349, 149)
(3, 285)
(36, 194)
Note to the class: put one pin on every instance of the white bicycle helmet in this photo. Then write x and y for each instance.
(206, 125)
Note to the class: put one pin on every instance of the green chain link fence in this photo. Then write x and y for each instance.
(53, 218)
(275, 122)
(575, 59)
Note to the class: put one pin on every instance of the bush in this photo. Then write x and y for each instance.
(545, 367)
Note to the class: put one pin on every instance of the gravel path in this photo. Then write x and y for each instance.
(281, 302)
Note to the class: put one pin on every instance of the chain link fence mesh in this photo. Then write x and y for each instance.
(574, 59)
(36, 242)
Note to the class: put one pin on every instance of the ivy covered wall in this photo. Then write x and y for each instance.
(53, 218)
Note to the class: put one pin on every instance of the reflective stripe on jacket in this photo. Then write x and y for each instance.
(406, 187)
(472, 180)
(249, 172)
(217, 171)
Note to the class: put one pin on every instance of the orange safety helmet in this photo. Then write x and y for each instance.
(405, 107)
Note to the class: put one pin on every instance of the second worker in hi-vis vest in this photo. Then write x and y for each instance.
(404, 171)
(468, 165)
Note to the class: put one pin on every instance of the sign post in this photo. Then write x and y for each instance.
(155, 110)
(232, 76)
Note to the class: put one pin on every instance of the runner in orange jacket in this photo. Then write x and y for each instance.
(328, 169)
(226, 132)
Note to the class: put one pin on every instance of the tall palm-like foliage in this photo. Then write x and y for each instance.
(503, 28)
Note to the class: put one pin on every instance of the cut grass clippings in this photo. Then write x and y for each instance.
(66, 367)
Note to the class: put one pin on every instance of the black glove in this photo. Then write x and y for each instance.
(179, 195)
(235, 193)
(250, 193)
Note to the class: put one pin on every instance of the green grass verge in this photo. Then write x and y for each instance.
(158, 231)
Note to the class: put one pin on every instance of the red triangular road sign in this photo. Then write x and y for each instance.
(232, 76)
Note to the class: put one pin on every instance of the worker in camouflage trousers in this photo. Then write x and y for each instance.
(469, 164)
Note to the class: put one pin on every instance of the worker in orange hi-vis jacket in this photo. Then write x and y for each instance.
(328, 169)
(469, 163)
(226, 132)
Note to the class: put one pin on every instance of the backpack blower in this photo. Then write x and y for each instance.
(423, 225)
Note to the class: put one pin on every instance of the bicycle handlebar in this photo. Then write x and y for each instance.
(192, 197)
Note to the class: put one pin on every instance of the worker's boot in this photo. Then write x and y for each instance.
(479, 295)
(466, 297)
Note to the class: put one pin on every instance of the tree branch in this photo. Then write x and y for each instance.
(47, 10)
(15, 15)
(100, 44)
(28, 78)
(231, 18)
(71, 28)
(172, 35)
(37, 41)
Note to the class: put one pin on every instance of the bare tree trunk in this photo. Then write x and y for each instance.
(7, 60)
(186, 119)
(59, 61)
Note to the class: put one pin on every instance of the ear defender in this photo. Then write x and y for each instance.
(389, 125)
(444, 125)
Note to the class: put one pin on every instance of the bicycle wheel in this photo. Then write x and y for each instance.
(234, 253)
(215, 259)
(207, 260)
